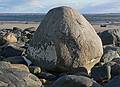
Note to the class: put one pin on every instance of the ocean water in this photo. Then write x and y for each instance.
(103, 18)
(93, 18)
(22, 17)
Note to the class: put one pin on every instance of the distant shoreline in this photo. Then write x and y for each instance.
(17, 22)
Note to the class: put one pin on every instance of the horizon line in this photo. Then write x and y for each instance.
(46, 13)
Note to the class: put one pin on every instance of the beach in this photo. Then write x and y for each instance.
(34, 52)
(21, 25)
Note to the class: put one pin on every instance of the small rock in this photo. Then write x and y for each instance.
(23, 39)
(5, 65)
(43, 81)
(115, 70)
(4, 31)
(17, 31)
(115, 82)
(109, 53)
(116, 60)
(30, 29)
(11, 51)
(118, 51)
(13, 75)
(107, 48)
(74, 81)
(108, 56)
(16, 60)
(10, 37)
(101, 73)
(20, 67)
(111, 36)
(34, 69)
(81, 71)
(2, 41)
(47, 76)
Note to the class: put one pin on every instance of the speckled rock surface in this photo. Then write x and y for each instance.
(65, 40)
(13, 75)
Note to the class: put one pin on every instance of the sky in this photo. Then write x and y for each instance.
(43, 6)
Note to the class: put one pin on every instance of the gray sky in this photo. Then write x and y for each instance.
(42, 6)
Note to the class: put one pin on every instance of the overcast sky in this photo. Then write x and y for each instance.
(42, 6)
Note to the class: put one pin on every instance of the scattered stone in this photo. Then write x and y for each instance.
(10, 37)
(16, 60)
(115, 70)
(101, 73)
(67, 42)
(107, 48)
(23, 39)
(74, 81)
(109, 53)
(108, 56)
(11, 51)
(111, 36)
(34, 69)
(81, 71)
(47, 76)
(30, 29)
(17, 31)
(8, 65)
(13, 75)
(116, 60)
(20, 67)
(43, 81)
(4, 65)
(115, 82)
(4, 31)
(2, 41)
(118, 51)
(103, 25)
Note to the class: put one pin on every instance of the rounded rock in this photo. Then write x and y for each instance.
(74, 81)
(65, 40)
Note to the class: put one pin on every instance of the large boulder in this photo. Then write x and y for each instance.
(65, 40)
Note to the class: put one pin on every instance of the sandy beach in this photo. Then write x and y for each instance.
(24, 25)
(98, 27)
(21, 25)
(64, 49)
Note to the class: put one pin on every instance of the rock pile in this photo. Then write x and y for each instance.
(17, 76)
(64, 51)
(14, 71)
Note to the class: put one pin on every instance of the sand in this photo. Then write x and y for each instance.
(98, 27)
(23, 25)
